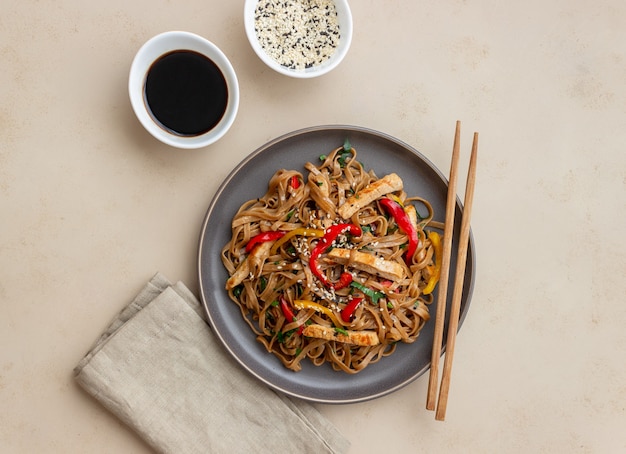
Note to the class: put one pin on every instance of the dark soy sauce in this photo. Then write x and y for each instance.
(186, 93)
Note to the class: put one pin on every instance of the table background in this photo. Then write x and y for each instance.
(92, 206)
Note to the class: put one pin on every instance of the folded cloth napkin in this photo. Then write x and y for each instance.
(160, 370)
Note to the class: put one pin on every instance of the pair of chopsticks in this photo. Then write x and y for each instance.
(453, 323)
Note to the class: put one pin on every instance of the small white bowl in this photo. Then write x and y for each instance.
(344, 17)
(151, 51)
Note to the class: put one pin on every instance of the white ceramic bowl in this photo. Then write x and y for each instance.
(344, 17)
(151, 51)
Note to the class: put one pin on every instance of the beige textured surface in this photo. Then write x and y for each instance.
(91, 205)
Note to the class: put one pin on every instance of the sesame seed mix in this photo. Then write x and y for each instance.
(298, 34)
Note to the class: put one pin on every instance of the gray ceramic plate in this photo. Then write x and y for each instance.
(380, 152)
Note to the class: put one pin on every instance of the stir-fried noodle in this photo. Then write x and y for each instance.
(335, 266)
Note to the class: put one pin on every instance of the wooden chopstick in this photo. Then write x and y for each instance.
(445, 271)
(455, 309)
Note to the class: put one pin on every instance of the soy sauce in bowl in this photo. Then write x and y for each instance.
(186, 93)
(183, 90)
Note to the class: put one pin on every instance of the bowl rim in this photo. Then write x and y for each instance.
(159, 45)
(344, 15)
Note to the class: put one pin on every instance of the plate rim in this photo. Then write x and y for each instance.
(202, 236)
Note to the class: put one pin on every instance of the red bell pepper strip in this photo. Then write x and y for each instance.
(262, 238)
(348, 311)
(294, 182)
(288, 313)
(404, 223)
(344, 280)
(330, 235)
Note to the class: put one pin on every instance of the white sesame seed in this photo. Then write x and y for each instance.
(297, 34)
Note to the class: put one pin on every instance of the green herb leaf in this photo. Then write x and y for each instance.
(341, 331)
(323, 157)
(343, 158)
(346, 145)
(372, 294)
(282, 337)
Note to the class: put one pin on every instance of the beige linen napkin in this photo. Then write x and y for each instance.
(159, 369)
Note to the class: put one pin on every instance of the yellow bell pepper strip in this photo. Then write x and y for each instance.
(306, 304)
(397, 199)
(262, 238)
(404, 223)
(301, 231)
(435, 240)
(331, 235)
